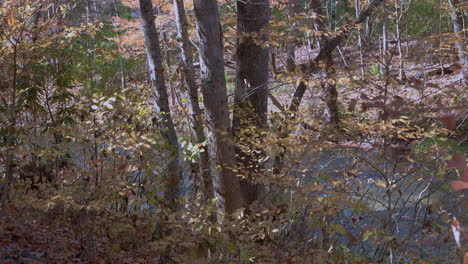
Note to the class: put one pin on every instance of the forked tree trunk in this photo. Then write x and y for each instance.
(460, 39)
(166, 126)
(192, 94)
(328, 71)
(251, 93)
(226, 187)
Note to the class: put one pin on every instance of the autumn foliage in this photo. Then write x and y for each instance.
(282, 131)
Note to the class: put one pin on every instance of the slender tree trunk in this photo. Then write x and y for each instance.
(227, 187)
(290, 57)
(123, 82)
(460, 40)
(384, 67)
(369, 30)
(464, 17)
(328, 72)
(294, 7)
(251, 94)
(166, 125)
(10, 154)
(398, 16)
(186, 55)
(335, 15)
(331, 93)
(284, 130)
(359, 35)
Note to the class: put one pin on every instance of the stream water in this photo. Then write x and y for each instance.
(417, 205)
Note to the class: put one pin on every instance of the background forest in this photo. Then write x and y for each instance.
(233, 131)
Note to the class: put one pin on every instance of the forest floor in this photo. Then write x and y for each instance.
(24, 239)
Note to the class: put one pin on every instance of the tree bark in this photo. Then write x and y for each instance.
(328, 71)
(460, 40)
(384, 66)
(294, 7)
(398, 17)
(10, 144)
(369, 30)
(227, 187)
(251, 93)
(158, 85)
(186, 55)
(359, 40)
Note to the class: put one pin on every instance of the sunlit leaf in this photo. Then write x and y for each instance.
(455, 225)
(459, 185)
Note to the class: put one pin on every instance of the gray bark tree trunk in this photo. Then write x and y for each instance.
(369, 30)
(227, 186)
(186, 55)
(166, 126)
(251, 93)
(359, 39)
(460, 39)
(398, 17)
(384, 66)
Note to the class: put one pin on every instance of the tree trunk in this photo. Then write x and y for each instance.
(460, 40)
(294, 7)
(10, 154)
(359, 40)
(369, 30)
(331, 93)
(251, 94)
(328, 72)
(158, 85)
(384, 67)
(398, 16)
(192, 94)
(227, 187)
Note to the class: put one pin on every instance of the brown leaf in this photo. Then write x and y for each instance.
(364, 97)
(464, 176)
(415, 81)
(459, 185)
(397, 101)
(10, 20)
(458, 161)
(449, 121)
(380, 97)
(351, 238)
(352, 105)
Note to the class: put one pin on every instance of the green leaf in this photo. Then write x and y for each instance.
(367, 234)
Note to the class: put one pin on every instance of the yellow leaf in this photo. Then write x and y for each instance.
(10, 19)
(381, 183)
